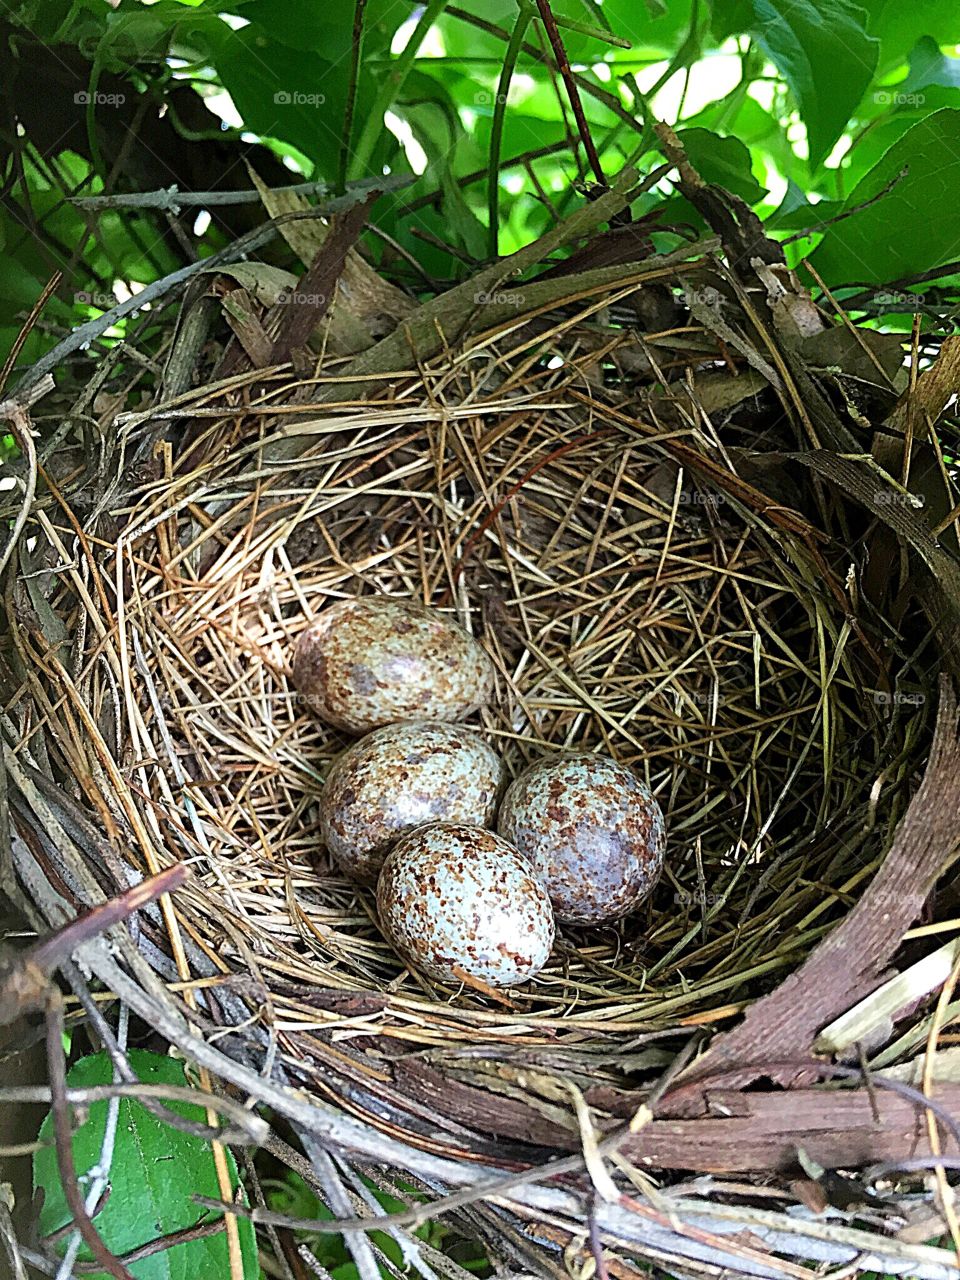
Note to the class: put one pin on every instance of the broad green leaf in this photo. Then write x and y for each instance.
(725, 161)
(914, 226)
(930, 66)
(823, 52)
(290, 94)
(657, 27)
(898, 24)
(132, 36)
(870, 148)
(742, 117)
(470, 231)
(326, 28)
(154, 1173)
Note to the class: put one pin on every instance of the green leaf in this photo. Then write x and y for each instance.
(823, 52)
(470, 231)
(725, 161)
(153, 1175)
(294, 95)
(658, 27)
(145, 34)
(765, 137)
(796, 213)
(326, 28)
(928, 65)
(916, 225)
(897, 25)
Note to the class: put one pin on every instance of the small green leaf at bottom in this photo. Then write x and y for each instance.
(154, 1174)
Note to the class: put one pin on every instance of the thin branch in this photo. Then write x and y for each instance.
(496, 129)
(563, 62)
(19, 420)
(338, 1201)
(64, 1142)
(815, 227)
(24, 985)
(172, 199)
(356, 51)
(27, 328)
(247, 1127)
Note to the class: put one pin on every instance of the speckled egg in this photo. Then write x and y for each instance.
(399, 778)
(457, 900)
(377, 660)
(592, 830)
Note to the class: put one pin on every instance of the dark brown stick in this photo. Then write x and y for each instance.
(563, 63)
(357, 43)
(63, 1138)
(47, 954)
(23, 984)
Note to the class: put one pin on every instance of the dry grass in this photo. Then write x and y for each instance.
(627, 604)
(625, 607)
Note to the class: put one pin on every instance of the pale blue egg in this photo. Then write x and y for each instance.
(458, 900)
(399, 778)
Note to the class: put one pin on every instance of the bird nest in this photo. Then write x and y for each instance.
(641, 590)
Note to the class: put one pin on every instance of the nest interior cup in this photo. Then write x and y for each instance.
(693, 642)
(702, 644)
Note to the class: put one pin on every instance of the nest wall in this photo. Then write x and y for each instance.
(627, 607)
(637, 595)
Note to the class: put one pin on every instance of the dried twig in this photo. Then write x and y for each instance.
(64, 1143)
(24, 985)
(172, 199)
(573, 92)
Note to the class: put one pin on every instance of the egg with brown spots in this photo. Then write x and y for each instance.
(593, 832)
(401, 777)
(458, 901)
(377, 660)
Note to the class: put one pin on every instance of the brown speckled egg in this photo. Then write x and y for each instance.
(377, 660)
(399, 778)
(592, 830)
(458, 900)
